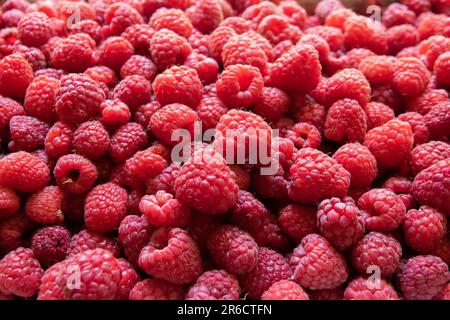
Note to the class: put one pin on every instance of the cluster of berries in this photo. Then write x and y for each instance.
(93, 204)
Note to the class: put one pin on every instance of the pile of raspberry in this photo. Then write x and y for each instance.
(98, 200)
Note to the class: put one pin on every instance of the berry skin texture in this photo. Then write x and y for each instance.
(273, 104)
(27, 133)
(297, 221)
(304, 135)
(91, 140)
(410, 77)
(23, 171)
(20, 273)
(172, 19)
(114, 52)
(73, 54)
(40, 98)
(139, 65)
(441, 70)
(105, 207)
(271, 267)
(210, 110)
(89, 240)
(16, 75)
(133, 91)
(168, 48)
(134, 234)
(34, 29)
(214, 285)
(8, 109)
(377, 114)
(396, 14)
(243, 50)
(377, 69)
(163, 210)
(207, 68)
(233, 249)
(362, 32)
(126, 141)
(315, 176)
(144, 165)
(393, 137)
(437, 120)
(317, 265)
(382, 210)
(44, 206)
(427, 154)
(50, 245)
(347, 83)
(284, 290)
(206, 15)
(289, 71)
(75, 174)
(172, 255)
(115, 113)
(128, 280)
(218, 39)
(364, 289)
(423, 277)
(9, 202)
(156, 289)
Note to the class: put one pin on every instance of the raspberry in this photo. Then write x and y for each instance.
(401, 187)
(133, 91)
(105, 207)
(289, 70)
(324, 8)
(284, 290)
(23, 171)
(156, 289)
(365, 289)
(20, 273)
(75, 174)
(16, 75)
(90, 27)
(310, 112)
(139, 65)
(444, 294)
(333, 36)
(262, 42)
(377, 114)
(163, 210)
(34, 29)
(13, 231)
(27, 133)
(58, 141)
(49, 289)
(410, 76)
(126, 141)
(21, 5)
(102, 74)
(418, 6)
(377, 69)
(12, 17)
(74, 53)
(315, 176)
(243, 50)
(277, 28)
(34, 56)
(172, 255)
(270, 268)
(145, 165)
(297, 221)
(217, 40)
(442, 70)
(134, 234)
(206, 183)
(348, 83)
(40, 98)
(304, 135)
(199, 42)
(168, 48)
(50, 72)
(430, 187)
(128, 279)
(387, 95)
(427, 154)
(416, 121)
(139, 36)
(171, 19)
(437, 120)
(209, 112)
(50, 245)
(273, 104)
(206, 15)
(296, 13)
(8, 109)
(44, 206)
(396, 14)
(240, 25)
(119, 16)
(319, 43)
(377, 249)
(165, 180)
(317, 265)
(363, 32)
(242, 177)
(233, 249)
(9, 202)
(114, 52)
(357, 159)
(207, 68)
(115, 113)
(337, 18)
(91, 140)
(423, 277)
(214, 285)
(178, 85)
(401, 37)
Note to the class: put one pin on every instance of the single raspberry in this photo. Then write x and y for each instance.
(241, 49)
(129, 278)
(8, 109)
(165, 180)
(14, 231)
(437, 120)
(300, 62)
(273, 104)
(416, 121)
(276, 28)
(214, 285)
(423, 277)
(23, 171)
(240, 24)
(21, 5)
(102, 74)
(20, 273)
(442, 70)
(144, 113)
(16, 75)
(139, 36)
(50, 245)
(377, 69)
(49, 289)
(91, 140)
(89, 240)
(410, 77)
(114, 113)
(418, 6)
(319, 43)
(133, 91)
(337, 18)
(12, 17)
(396, 14)
(262, 42)
(163, 210)
(58, 141)
(426, 101)
(206, 183)
(27, 133)
(317, 265)
(119, 16)
(171, 19)
(139, 65)
(65, 9)
(75, 174)
(377, 250)
(324, 8)
(114, 52)
(168, 48)
(402, 187)
(444, 294)
(134, 234)
(199, 42)
(34, 56)
(209, 112)
(44, 206)
(427, 154)
(156, 289)
(146, 164)
(443, 250)
(304, 135)
(377, 114)
(366, 289)
(172, 255)
(297, 14)
(310, 112)
(34, 29)
(40, 98)
(401, 37)
(363, 32)
(430, 186)
(332, 36)
(388, 95)
(297, 221)
(207, 68)
(74, 53)
(284, 290)
(9, 202)
(90, 27)
(315, 176)
(348, 83)
(206, 15)
(218, 38)
(126, 141)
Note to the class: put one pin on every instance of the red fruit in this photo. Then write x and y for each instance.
(50, 245)
(139, 65)
(14, 231)
(27, 133)
(218, 38)
(396, 14)
(40, 98)
(134, 234)
(102, 74)
(89, 240)
(172, 19)
(427, 101)
(168, 48)
(58, 141)
(410, 76)
(75, 174)
(401, 37)
(333, 36)
(297, 221)
(16, 75)
(437, 120)
(9, 202)
(163, 210)
(34, 29)
(241, 49)
(276, 28)
(165, 180)
(91, 140)
(90, 27)
(129, 278)
(273, 104)
(44, 206)
(126, 141)
(284, 290)
(8, 109)
(214, 285)
(139, 36)
(133, 91)
(336, 18)
(310, 112)
(74, 53)
(348, 83)
(377, 69)
(144, 165)
(367, 289)
(442, 70)
(304, 135)
(209, 112)
(156, 289)
(119, 16)
(207, 68)
(114, 52)
(387, 95)
(144, 113)
(427, 154)
(206, 15)
(363, 32)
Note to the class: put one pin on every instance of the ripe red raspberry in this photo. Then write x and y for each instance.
(27, 133)
(379, 250)
(319, 43)
(418, 6)
(396, 14)
(44, 206)
(392, 137)
(273, 104)
(16, 75)
(9, 202)
(241, 49)
(410, 76)
(297, 14)
(40, 98)
(146, 164)
(168, 48)
(218, 39)
(442, 70)
(23, 171)
(401, 187)
(89, 240)
(337, 18)
(401, 37)
(333, 36)
(271, 267)
(324, 8)
(232, 249)
(377, 114)
(139, 36)
(430, 186)
(206, 183)
(8, 109)
(178, 85)
(300, 62)
(172, 255)
(214, 285)
(50, 72)
(156, 289)
(207, 68)
(114, 113)
(348, 83)
(34, 56)
(165, 180)
(50, 245)
(357, 159)
(240, 24)
(310, 112)
(12, 17)
(163, 210)
(297, 221)
(102, 74)
(276, 28)
(119, 16)
(416, 121)
(114, 52)
(133, 91)
(377, 69)
(74, 53)
(258, 11)
(444, 294)
(172, 19)
(427, 154)
(315, 176)
(317, 265)
(126, 141)
(90, 27)
(144, 113)
(304, 135)
(199, 42)
(438, 120)
(34, 29)
(206, 15)
(105, 207)
(388, 95)
(20, 273)
(49, 289)
(14, 232)
(367, 289)
(284, 290)
(242, 177)
(75, 174)
(58, 141)
(209, 112)
(423, 277)
(327, 294)
(91, 140)
(134, 234)
(363, 32)
(139, 65)
(129, 278)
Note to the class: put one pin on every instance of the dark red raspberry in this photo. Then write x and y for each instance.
(241, 49)
(363, 32)
(426, 101)
(242, 177)
(207, 68)
(317, 265)
(34, 29)
(40, 98)
(423, 277)
(348, 83)
(168, 48)
(401, 37)
(438, 120)
(163, 210)
(401, 187)
(128, 279)
(214, 285)
(49, 289)
(357, 159)
(126, 141)
(23, 171)
(89, 240)
(134, 234)
(444, 294)
(139, 36)
(146, 164)
(396, 14)
(218, 39)
(14, 231)
(315, 176)
(310, 112)
(102, 74)
(114, 52)
(91, 140)
(377, 114)
(165, 180)
(119, 16)
(139, 65)
(9, 202)
(262, 42)
(297, 221)
(75, 174)
(27, 133)
(50, 245)
(209, 112)
(58, 141)
(276, 28)
(410, 77)
(206, 15)
(304, 135)
(44, 206)
(172, 19)
(34, 56)
(284, 290)
(90, 27)
(273, 104)
(427, 154)
(418, 6)
(8, 109)
(240, 24)
(199, 42)
(388, 95)
(172, 255)
(144, 113)
(16, 75)
(74, 53)
(20, 273)
(442, 70)
(156, 289)
(367, 289)
(133, 91)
